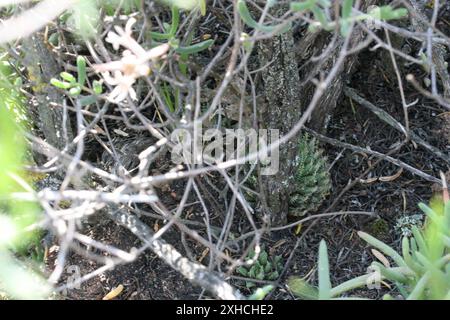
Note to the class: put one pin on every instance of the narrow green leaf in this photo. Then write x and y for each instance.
(98, 87)
(406, 252)
(81, 68)
(261, 293)
(393, 274)
(60, 84)
(195, 47)
(345, 17)
(87, 100)
(430, 212)
(302, 6)
(173, 27)
(383, 248)
(418, 237)
(68, 77)
(75, 91)
(347, 9)
(419, 288)
(388, 13)
(202, 5)
(263, 257)
(351, 284)
(324, 272)
(319, 14)
(302, 289)
(242, 271)
(249, 21)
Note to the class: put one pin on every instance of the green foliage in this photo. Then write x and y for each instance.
(171, 33)
(263, 268)
(127, 6)
(171, 28)
(312, 178)
(325, 291)
(422, 269)
(84, 18)
(425, 258)
(317, 7)
(303, 289)
(75, 85)
(188, 4)
(11, 96)
(246, 16)
(388, 13)
(170, 99)
(260, 293)
(184, 48)
(324, 272)
(15, 216)
(346, 17)
(195, 48)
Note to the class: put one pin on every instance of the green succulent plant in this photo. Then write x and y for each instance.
(75, 85)
(405, 224)
(264, 268)
(312, 177)
(421, 271)
(423, 267)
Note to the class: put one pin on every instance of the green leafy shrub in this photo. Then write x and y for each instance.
(264, 268)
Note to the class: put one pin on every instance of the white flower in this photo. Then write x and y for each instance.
(123, 86)
(133, 64)
(129, 65)
(125, 39)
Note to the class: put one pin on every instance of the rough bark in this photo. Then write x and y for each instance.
(313, 45)
(287, 94)
(281, 81)
(41, 67)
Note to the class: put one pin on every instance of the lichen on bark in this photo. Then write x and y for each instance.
(280, 81)
(48, 117)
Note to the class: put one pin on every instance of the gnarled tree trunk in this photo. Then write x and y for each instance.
(48, 116)
(288, 90)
